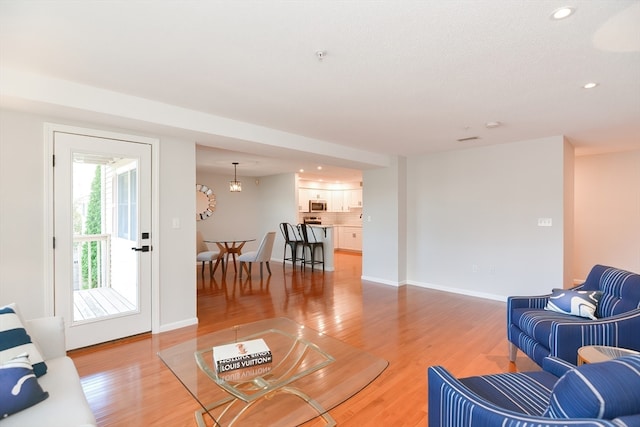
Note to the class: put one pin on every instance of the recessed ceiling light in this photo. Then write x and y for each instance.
(301, 170)
(590, 85)
(319, 168)
(563, 12)
(491, 125)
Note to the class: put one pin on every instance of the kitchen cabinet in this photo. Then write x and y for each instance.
(337, 200)
(306, 194)
(350, 238)
(344, 200)
(337, 203)
(354, 198)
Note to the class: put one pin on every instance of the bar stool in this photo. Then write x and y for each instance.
(292, 240)
(310, 241)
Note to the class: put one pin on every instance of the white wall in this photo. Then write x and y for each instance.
(260, 207)
(236, 214)
(472, 219)
(23, 244)
(22, 209)
(607, 201)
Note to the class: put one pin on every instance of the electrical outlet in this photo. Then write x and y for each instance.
(545, 222)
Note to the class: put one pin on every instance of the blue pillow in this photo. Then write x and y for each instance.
(14, 340)
(19, 388)
(575, 303)
(604, 390)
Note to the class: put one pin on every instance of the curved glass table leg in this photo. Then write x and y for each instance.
(199, 414)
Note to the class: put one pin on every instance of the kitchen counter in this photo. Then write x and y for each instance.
(324, 233)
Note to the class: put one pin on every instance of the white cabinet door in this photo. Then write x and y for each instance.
(337, 201)
(351, 238)
(355, 198)
(303, 200)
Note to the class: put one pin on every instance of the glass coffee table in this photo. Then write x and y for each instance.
(311, 373)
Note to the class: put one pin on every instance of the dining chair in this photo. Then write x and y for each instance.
(309, 240)
(262, 255)
(205, 255)
(291, 240)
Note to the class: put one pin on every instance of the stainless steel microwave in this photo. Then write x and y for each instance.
(317, 205)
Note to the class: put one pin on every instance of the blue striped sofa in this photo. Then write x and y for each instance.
(540, 333)
(605, 394)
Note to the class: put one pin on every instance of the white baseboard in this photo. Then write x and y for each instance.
(382, 281)
(460, 291)
(436, 287)
(177, 325)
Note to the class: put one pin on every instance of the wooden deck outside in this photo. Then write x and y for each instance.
(89, 304)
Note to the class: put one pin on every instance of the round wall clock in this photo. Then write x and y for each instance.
(205, 202)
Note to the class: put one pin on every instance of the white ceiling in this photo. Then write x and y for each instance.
(399, 77)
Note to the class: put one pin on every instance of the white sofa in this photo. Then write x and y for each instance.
(66, 405)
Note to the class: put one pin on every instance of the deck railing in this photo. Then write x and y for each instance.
(91, 261)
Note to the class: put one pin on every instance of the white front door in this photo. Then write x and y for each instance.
(102, 243)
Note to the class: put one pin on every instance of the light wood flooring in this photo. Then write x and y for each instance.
(127, 385)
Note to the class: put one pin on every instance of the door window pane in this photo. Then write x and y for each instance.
(127, 205)
(123, 206)
(133, 204)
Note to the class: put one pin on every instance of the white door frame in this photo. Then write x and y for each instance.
(49, 129)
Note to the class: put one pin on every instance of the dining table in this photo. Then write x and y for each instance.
(229, 248)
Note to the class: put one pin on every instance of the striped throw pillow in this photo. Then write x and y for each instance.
(14, 340)
(604, 390)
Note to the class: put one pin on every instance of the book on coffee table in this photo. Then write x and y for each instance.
(239, 355)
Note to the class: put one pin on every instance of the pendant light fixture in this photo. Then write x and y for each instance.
(235, 185)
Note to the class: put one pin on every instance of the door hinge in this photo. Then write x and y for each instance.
(54, 243)
(53, 160)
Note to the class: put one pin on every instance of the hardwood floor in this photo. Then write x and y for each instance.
(127, 385)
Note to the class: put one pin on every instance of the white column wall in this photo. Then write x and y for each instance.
(177, 240)
(384, 227)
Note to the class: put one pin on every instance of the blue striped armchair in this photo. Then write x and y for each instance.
(540, 333)
(605, 394)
